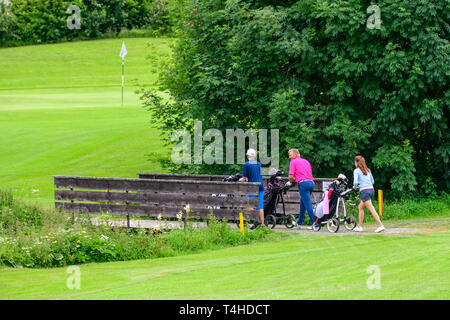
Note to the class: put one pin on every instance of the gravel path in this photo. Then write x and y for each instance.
(392, 227)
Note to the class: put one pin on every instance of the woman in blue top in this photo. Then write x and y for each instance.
(253, 173)
(363, 178)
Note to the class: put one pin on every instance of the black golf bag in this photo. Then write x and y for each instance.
(275, 186)
(233, 178)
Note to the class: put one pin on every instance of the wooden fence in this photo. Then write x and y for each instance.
(291, 198)
(154, 197)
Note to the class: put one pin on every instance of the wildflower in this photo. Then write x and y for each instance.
(103, 237)
(179, 215)
(159, 217)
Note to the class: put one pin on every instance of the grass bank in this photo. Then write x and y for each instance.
(31, 236)
(301, 266)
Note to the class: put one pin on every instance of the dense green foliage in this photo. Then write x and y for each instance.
(332, 86)
(31, 236)
(42, 21)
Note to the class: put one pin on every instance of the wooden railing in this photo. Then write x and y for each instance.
(291, 198)
(154, 197)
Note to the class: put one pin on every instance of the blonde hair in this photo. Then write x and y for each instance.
(295, 151)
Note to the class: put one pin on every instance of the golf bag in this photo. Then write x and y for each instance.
(334, 190)
(233, 178)
(274, 187)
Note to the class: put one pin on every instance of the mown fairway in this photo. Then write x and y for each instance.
(60, 113)
(304, 266)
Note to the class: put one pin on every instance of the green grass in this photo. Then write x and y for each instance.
(304, 266)
(61, 114)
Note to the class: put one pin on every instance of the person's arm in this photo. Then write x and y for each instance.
(355, 178)
(244, 174)
(291, 172)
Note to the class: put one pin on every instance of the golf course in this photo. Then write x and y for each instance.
(61, 114)
(412, 265)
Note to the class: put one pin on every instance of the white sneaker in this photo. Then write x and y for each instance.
(309, 228)
(358, 229)
(379, 229)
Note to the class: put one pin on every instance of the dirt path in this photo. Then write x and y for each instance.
(400, 227)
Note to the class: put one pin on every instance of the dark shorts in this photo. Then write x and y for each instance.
(367, 195)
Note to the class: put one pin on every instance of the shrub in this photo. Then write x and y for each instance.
(314, 70)
(33, 237)
(43, 21)
(406, 208)
(40, 21)
(8, 23)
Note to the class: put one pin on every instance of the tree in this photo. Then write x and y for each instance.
(316, 70)
(7, 22)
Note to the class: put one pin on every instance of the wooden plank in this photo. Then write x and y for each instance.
(205, 177)
(173, 176)
(295, 196)
(149, 211)
(156, 185)
(193, 199)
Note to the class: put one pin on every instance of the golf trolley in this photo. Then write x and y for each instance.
(336, 193)
(273, 195)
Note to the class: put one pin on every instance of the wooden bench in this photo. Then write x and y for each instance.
(291, 198)
(154, 197)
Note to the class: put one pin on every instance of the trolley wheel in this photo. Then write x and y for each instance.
(333, 225)
(316, 226)
(270, 221)
(290, 221)
(350, 223)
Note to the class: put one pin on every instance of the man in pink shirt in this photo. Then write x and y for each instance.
(300, 170)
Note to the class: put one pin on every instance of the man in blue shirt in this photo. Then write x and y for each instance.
(253, 173)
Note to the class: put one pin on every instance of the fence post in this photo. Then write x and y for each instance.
(241, 222)
(380, 202)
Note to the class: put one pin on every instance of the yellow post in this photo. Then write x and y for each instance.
(241, 222)
(380, 202)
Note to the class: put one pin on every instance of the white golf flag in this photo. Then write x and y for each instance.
(123, 51)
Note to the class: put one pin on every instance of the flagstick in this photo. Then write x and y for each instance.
(123, 64)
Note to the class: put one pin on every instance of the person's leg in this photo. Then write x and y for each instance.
(374, 213)
(361, 213)
(308, 202)
(302, 207)
(261, 216)
(261, 207)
